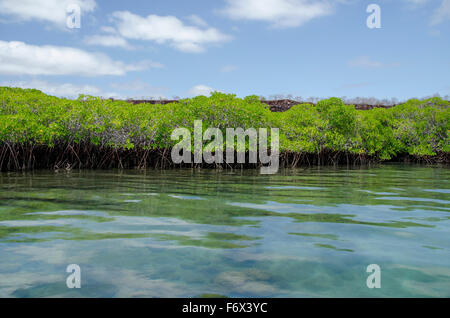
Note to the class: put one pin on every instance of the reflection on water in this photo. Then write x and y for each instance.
(184, 233)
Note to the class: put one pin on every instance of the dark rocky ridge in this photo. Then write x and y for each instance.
(281, 105)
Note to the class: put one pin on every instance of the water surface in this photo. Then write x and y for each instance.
(184, 233)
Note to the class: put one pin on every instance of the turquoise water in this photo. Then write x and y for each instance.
(184, 233)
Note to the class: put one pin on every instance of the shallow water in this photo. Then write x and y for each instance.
(183, 233)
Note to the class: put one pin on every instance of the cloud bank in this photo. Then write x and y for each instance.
(53, 11)
(168, 29)
(279, 13)
(19, 58)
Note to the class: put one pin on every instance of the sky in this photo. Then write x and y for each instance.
(179, 48)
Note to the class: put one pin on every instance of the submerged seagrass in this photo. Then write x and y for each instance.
(41, 131)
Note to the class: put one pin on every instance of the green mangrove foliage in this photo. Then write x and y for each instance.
(37, 130)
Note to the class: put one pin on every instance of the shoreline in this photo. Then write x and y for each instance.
(18, 158)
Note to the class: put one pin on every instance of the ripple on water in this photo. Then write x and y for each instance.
(309, 232)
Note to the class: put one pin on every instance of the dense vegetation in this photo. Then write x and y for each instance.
(41, 131)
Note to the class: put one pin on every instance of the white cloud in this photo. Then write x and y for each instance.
(108, 29)
(107, 40)
(56, 89)
(53, 11)
(367, 62)
(280, 13)
(228, 68)
(196, 20)
(18, 58)
(442, 13)
(201, 90)
(167, 29)
(142, 65)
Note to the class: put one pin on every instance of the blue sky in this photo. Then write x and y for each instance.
(181, 48)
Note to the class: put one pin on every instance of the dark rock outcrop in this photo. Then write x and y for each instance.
(281, 105)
